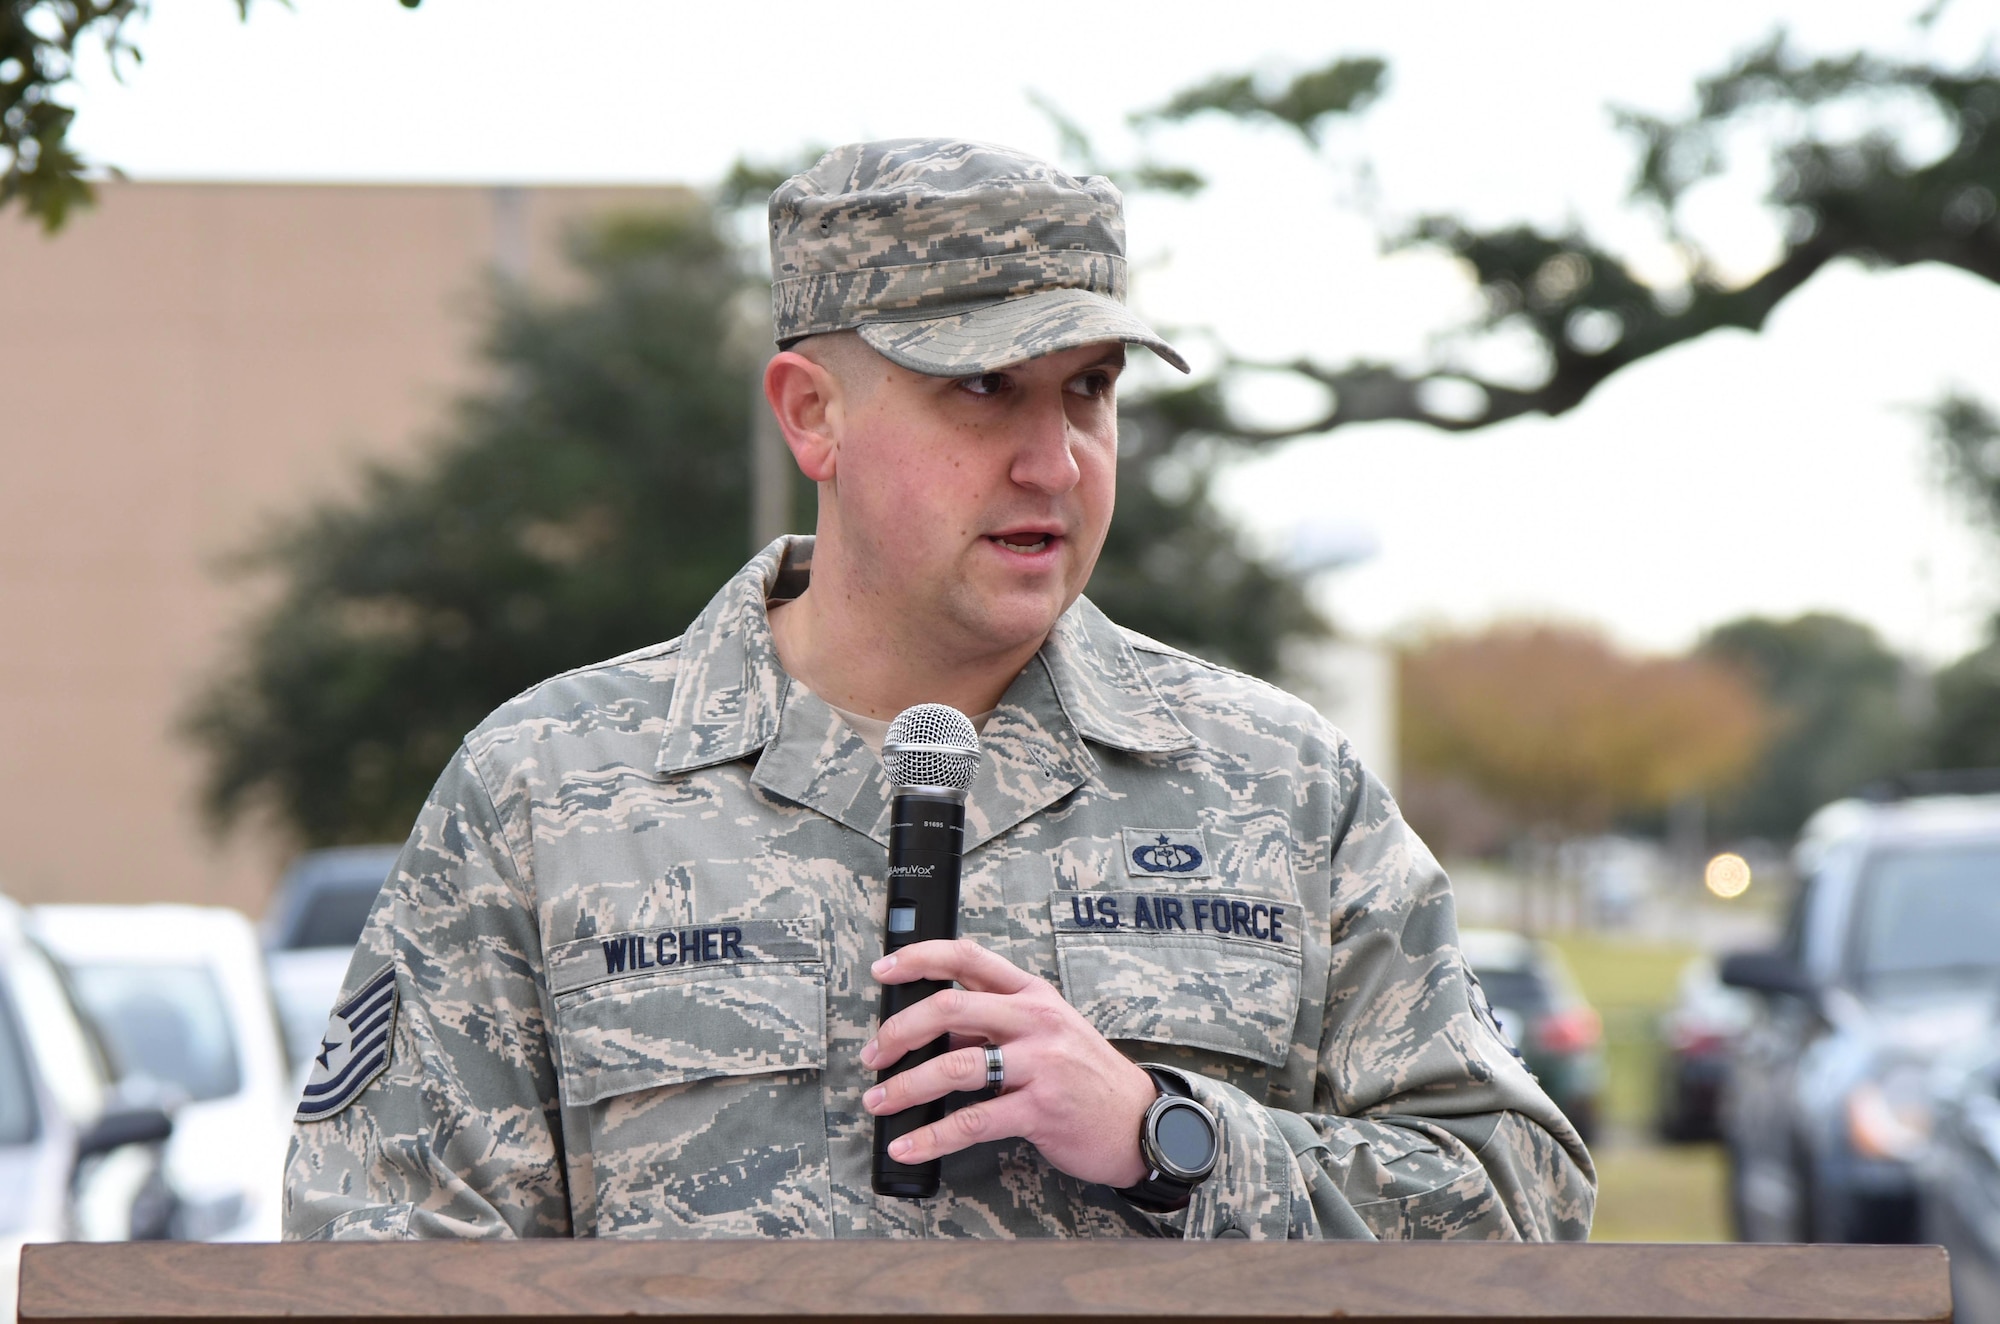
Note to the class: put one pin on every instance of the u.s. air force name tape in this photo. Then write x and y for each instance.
(355, 1049)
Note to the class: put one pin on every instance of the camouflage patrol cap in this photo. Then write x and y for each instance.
(951, 258)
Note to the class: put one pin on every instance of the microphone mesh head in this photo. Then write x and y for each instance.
(932, 744)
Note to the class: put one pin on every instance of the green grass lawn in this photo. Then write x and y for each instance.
(1652, 1192)
(1630, 984)
(1646, 1191)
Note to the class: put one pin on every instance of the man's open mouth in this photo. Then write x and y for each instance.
(1024, 543)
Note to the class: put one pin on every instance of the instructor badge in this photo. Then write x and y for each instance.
(355, 1049)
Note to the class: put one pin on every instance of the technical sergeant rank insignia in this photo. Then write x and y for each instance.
(355, 1049)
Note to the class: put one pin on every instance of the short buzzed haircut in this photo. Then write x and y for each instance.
(847, 356)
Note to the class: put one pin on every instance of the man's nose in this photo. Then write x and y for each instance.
(1044, 454)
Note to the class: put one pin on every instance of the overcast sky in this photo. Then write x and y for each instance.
(1777, 473)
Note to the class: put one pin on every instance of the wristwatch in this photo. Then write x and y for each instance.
(1179, 1140)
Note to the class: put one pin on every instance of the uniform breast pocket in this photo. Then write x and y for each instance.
(1210, 970)
(640, 1010)
(690, 1063)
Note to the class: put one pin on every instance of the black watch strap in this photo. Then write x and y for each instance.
(1161, 1192)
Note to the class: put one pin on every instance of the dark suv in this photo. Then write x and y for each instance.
(310, 931)
(1891, 955)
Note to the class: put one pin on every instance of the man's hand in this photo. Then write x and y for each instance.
(1078, 1099)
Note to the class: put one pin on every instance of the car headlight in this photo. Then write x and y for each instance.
(1890, 1118)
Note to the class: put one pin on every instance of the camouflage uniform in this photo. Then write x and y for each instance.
(629, 942)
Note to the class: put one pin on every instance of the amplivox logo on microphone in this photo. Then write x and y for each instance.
(912, 870)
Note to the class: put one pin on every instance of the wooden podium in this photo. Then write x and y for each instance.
(972, 1282)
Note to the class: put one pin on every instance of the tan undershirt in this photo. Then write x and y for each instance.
(873, 730)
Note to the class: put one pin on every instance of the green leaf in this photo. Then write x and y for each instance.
(1075, 142)
(1167, 178)
(1344, 87)
(38, 168)
(749, 182)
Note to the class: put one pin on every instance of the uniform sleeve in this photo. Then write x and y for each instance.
(1426, 1124)
(458, 1136)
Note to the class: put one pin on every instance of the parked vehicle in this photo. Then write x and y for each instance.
(180, 1001)
(1958, 1180)
(1697, 1036)
(76, 1162)
(1540, 1008)
(1891, 955)
(310, 931)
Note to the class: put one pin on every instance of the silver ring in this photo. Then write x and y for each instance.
(996, 1070)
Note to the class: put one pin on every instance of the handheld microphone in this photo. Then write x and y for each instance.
(930, 753)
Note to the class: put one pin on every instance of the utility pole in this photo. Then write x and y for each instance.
(770, 472)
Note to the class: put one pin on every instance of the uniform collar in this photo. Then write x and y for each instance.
(730, 690)
(731, 699)
(1105, 691)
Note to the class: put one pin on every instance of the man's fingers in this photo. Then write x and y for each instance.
(988, 1017)
(958, 959)
(963, 1069)
(993, 1119)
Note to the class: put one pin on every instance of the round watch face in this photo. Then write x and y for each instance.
(1185, 1138)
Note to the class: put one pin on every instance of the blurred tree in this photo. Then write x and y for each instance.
(1846, 183)
(38, 48)
(1965, 728)
(1305, 103)
(588, 503)
(1965, 732)
(1842, 711)
(1175, 569)
(1561, 732)
(1967, 433)
(39, 40)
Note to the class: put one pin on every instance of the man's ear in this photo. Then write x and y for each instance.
(806, 399)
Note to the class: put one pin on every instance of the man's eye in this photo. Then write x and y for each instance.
(1093, 384)
(986, 383)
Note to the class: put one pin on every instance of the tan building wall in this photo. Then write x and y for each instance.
(176, 367)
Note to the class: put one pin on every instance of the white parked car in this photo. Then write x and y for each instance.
(310, 931)
(180, 1000)
(74, 1162)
